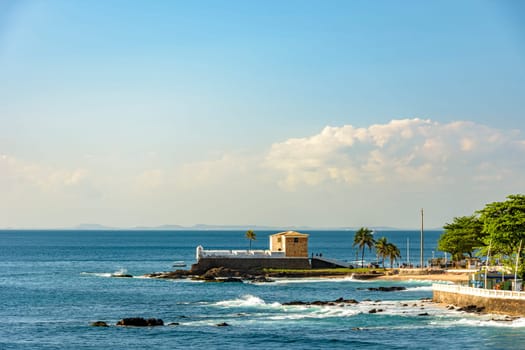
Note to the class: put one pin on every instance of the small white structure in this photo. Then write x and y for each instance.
(245, 254)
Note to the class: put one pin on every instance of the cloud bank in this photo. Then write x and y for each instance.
(341, 176)
(401, 151)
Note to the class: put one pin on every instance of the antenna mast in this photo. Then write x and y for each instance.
(422, 242)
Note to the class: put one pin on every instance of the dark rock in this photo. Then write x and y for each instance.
(177, 274)
(423, 314)
(222, 324)
(261, 279)
(140, 322)
(505, 319)
(155, 322)
(216, 272)
(99, 324)
(351, 301)
(339, 301)
(366, 276)
(373, 311)
(225, 279)
(173, 324)
(296, 302)
(121, 275)
(404, 305)
(471, 308)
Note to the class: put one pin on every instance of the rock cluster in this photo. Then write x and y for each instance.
(140, 322)
(471, 309)
(320, 302)
(177, 274)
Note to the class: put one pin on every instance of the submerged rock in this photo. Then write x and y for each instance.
(99, 324)
(222, 324)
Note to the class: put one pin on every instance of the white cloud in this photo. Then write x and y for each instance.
(17, 172)
(401, 151)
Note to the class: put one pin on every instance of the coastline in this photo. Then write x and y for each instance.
(444, 277)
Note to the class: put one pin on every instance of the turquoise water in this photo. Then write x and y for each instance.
(54, 283)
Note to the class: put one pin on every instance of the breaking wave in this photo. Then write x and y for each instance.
(247, 300)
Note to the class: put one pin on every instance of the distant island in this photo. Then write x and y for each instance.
(206, 227)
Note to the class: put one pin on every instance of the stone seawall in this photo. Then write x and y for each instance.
(204, 264)
(496, 305)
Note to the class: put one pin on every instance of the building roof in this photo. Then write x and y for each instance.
(291, 234)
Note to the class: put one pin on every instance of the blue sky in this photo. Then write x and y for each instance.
(142, 113)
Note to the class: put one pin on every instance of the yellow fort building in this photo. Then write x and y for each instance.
(293, 244)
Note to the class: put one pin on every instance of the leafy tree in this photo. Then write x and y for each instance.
(393, 253)
(251, 236)
(363, 238)
(463, 236)
(382, 249)
(504, 224)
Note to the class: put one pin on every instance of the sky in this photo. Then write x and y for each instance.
(279, 113)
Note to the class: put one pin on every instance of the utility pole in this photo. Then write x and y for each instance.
(422, 242)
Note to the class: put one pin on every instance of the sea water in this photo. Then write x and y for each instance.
(53, 284)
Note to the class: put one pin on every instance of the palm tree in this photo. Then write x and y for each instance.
(251, 236)
(363, 237)
(382, 249)
(393, 253)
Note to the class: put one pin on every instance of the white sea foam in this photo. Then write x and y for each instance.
(97, 274)
(247, 300)
(482, 321)
(117, 273)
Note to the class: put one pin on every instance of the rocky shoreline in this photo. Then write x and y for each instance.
(223, 274)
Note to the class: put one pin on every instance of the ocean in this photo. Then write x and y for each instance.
(54, 283)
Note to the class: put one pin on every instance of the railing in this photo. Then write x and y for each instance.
(245, 254)
(489, 293)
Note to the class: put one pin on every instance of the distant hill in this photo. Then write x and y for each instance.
(93, 227)
(206, 227)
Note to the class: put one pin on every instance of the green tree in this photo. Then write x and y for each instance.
(381, 246)
(251, 236)
(504, 224)
(463, 236)
(393, 253)
(363, 238)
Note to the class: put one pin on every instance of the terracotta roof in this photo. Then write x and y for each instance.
(291, 233)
